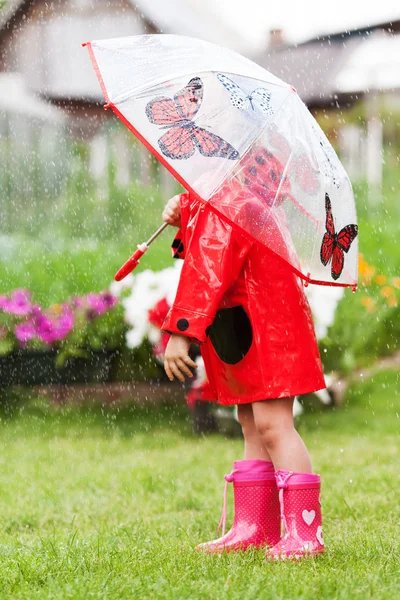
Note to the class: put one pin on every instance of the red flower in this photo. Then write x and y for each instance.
(157, 314)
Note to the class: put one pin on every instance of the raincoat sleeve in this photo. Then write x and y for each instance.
(214, 256)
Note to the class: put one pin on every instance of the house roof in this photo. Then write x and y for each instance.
(315, 67)
(188, 17)
(191, 18)
(65, 73)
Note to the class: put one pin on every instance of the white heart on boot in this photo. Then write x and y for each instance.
(319, 535)
(308, 516)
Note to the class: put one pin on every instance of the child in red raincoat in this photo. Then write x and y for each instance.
(248, 311)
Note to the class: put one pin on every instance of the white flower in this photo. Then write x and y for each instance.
(323, 301)
(119, 286)
(154, 335)
(134, 337)
(201, 376)
(148, 288)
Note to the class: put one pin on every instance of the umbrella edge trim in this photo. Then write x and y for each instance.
(97, 71)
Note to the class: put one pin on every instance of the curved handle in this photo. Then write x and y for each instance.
(131, 263)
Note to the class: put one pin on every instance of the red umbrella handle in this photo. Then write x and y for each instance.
(131, 263)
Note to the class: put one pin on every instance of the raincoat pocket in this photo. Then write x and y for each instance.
(231, 334)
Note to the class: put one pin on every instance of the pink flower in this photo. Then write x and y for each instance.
(24, 332)
(45, 329)
(57, 327)
(65, 323)
(36, 311)
(99, 303)
(108, 299)
(19, 304)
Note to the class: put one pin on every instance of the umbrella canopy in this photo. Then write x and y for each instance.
(240, 140)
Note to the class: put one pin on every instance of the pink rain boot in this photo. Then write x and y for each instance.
(299, 497)
(256, 503)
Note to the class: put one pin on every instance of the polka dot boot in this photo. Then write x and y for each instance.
(301, 521)
(256, 506)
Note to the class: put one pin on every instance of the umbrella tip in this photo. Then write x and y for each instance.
(84, 44)
(294, 89)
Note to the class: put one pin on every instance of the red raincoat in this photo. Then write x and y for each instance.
(243, 304)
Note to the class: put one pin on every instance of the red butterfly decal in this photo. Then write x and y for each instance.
(183, 135)
(334, 245)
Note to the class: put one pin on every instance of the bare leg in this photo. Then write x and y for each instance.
(254, 447)
(274, 422)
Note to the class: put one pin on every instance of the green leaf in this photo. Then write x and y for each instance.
(6, 346)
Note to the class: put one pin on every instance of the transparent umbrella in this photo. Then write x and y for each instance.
(241, 141)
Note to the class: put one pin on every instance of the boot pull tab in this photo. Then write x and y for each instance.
(228, 479)
(281, 482)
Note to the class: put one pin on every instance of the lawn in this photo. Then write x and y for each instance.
(55, 270)
(109, 503)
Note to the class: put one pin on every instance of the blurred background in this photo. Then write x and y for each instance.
(78, 192)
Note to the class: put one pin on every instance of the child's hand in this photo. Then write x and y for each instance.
(176, 359)
(172, 212)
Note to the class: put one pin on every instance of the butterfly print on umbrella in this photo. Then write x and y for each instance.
(334, 245)
(183, 135)
(259, 98)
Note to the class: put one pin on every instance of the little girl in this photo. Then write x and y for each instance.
(248, 311)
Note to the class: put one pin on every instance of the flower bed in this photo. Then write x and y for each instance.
(115, 335)
(75, 341)
(366, 326)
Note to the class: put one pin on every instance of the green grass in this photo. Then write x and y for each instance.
(56, 269)
(109, 503)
